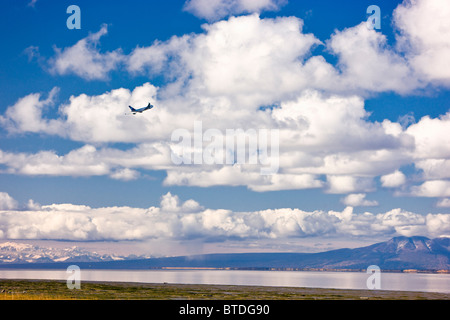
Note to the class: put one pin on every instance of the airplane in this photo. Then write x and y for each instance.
(134, 111)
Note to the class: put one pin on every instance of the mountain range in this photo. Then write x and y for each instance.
(397, 254)
(23, 253)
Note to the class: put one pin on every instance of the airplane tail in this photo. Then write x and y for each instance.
(132, 109)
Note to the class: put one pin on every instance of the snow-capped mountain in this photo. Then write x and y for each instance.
(12, 252)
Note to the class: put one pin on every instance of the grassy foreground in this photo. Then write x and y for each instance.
(57, 290)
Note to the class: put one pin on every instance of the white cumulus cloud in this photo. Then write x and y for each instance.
(349, 184)
(358, 200)
(443, 203)
(393, 180)
(423, 34)
(7, 202)
(26, 115)
(217, 9)
(84, 59)
(432, 188)
(367, 63)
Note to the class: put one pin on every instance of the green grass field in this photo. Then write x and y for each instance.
(57, 290)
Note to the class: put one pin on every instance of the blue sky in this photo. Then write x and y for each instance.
(363, 117)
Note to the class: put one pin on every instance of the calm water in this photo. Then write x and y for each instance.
(338, 280)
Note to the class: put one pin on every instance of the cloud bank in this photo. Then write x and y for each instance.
(176, 220)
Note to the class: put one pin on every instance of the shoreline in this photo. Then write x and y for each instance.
(60, 268)
(104, 290)
(443, 271)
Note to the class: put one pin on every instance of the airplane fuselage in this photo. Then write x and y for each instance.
(134, 111)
